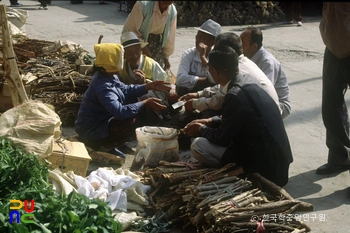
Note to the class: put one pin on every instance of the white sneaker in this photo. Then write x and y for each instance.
(300, 23)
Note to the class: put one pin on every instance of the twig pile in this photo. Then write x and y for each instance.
(220, 200)
(59, 84)
(52, 76)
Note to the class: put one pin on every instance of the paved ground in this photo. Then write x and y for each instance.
(299, 49)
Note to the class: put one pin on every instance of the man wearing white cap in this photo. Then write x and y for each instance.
(193, 74)
(139, 68)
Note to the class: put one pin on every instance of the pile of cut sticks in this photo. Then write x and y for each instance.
(221, 200)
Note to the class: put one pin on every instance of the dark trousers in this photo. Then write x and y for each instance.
(44, 3)
(292, 10)
(336, 80)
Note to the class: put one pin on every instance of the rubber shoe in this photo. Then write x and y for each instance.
(300, 23)
(117, 152)
(329, 168)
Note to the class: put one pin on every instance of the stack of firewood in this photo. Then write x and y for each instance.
(220, 200)
(228, 13)
(53, 76)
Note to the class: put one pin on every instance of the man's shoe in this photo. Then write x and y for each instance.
(329, 168)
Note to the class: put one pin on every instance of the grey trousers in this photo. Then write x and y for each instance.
(206, 152)
(336, 80)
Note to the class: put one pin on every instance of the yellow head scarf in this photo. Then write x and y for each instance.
(109, 56)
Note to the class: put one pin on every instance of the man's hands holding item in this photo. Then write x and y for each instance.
(189, 106)
(189, 100)
(193, 128)
(159, 86)
(189, 96)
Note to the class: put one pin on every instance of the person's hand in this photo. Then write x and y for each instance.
(154, 104)
(166, 64)
(188, 106)
(189, 96)
(203, 121)
(192, 129)
(146, 51)
(159, 85)
(140, 76)
(202, 49)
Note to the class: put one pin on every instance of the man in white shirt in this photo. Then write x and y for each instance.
(213, 97)
(193, 73)
(252, 48)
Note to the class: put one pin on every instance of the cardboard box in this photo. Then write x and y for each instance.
(76, 158)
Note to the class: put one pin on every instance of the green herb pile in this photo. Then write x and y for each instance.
(24, 177)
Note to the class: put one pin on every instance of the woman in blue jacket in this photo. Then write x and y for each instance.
(110, 110)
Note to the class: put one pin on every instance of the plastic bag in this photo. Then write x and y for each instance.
(32, 125)
(155, 144)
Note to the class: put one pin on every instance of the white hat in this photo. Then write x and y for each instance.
(129, 38)
(211, 27)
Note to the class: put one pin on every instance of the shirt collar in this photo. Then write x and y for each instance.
(224, 88)
(257, 54)
(156, 8)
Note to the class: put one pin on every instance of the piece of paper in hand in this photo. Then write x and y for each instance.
(178, 104)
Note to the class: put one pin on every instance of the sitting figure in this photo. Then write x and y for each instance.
(140, 69)
(253, 48)
(193, 74)
(250, 132)
(209, 100)
(110, 110)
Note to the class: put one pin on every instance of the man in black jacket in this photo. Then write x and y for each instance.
(250, 131)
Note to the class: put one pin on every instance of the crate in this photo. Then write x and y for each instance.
(76, 158)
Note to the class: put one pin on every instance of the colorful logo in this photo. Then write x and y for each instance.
(16, 205)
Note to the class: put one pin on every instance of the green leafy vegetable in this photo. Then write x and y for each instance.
(24, 177)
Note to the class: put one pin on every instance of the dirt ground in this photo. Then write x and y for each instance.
(300, 51)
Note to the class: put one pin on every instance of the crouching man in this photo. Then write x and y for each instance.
(250, 132)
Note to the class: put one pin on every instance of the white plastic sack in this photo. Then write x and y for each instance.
(32, 125)
(155, 144)
(17, 18)
(126, 218)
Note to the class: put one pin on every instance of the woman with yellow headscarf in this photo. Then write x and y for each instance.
(110, 110)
